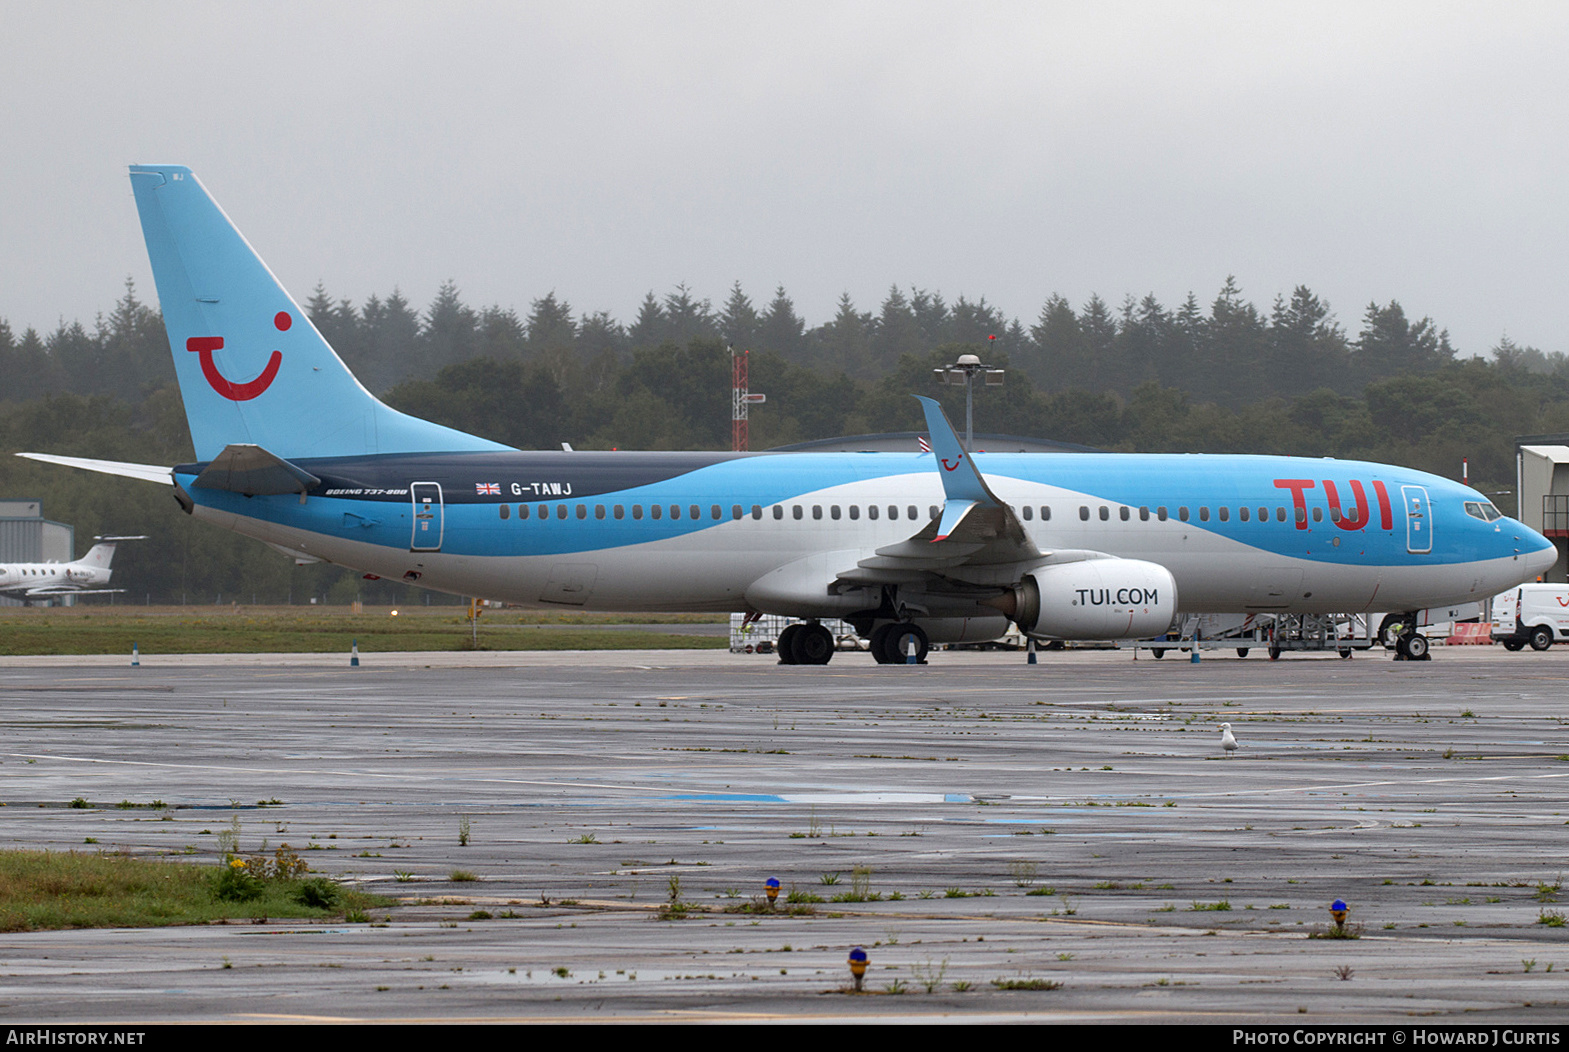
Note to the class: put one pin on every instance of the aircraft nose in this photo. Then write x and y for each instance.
(1539, 553)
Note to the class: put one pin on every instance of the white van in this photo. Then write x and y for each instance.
(1533, 613)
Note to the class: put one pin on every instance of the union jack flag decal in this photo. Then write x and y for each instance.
(487, 489)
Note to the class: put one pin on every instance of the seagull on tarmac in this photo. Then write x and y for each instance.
(1228, 741)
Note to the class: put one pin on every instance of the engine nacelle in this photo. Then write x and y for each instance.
(1094, 599)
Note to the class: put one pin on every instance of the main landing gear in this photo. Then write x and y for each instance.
(808, 644)
(891, 644)
(812, 644)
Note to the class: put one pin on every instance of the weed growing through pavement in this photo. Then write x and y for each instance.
(1026, 983)
(674, 908)
(930, 974)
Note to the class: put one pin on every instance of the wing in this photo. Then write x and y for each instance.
(977, 540)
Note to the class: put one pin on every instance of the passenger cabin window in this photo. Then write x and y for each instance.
(1318, 514)
(1160, 513)
(675, 511)
(1144, 514)
(695, 512)
(1105, 513)
(833, 511)
(1029, 513)
(506, 510)
(599, 511)
(1302, 515)
(1263, 515)
(637, 511)
(1334, 514)
(855, 511)
(913, 513)
(1182, 513)
(1123, 512)
(817, 511)
(714, 511)
(1084, 513)
(522, 511)
(1280, 514)
(544, 511)
(795, 510)
(561, 511)
(619, 511)
(757, 511)
(778, 511)
(1045, 513)
(737, 513)
(871, 512)
(893, 512)
(1242, 513)
(1224, 512)
(932, 511)
(656, 511)
(582, 511)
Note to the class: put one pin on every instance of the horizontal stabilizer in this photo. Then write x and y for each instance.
(253, 471)
(144, 472)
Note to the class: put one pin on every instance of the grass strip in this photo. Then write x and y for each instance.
(51, 889)
(228, 633)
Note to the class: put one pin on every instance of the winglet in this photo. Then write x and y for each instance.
(961, 481)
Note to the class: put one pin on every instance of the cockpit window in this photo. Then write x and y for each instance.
(1481, 509)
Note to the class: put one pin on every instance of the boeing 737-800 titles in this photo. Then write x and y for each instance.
(910, 548)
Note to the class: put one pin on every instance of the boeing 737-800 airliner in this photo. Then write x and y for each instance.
(910, 548)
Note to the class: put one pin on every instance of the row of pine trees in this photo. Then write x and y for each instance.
(1231, 353)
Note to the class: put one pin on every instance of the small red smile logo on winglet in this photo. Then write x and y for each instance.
(945, 465)
(205, 345)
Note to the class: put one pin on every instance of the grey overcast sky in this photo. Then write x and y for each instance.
(1371, 151)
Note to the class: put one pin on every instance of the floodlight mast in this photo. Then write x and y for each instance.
(964, 372)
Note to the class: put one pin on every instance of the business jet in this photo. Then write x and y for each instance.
(29, 581)
(910, 548)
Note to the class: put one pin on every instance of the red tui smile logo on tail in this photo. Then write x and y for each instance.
(205, 345)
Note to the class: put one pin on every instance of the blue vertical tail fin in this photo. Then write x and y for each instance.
(251, 366)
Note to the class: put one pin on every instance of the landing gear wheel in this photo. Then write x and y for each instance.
(1416, 648)
(880, 652)
(898, 644)
(1159, 652)
(1513, 645)
(1541, 637)
(785, 644)
(812, 645)
(1345, 653)
(1243, 651)
(1390, 642)
(1274, 652)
